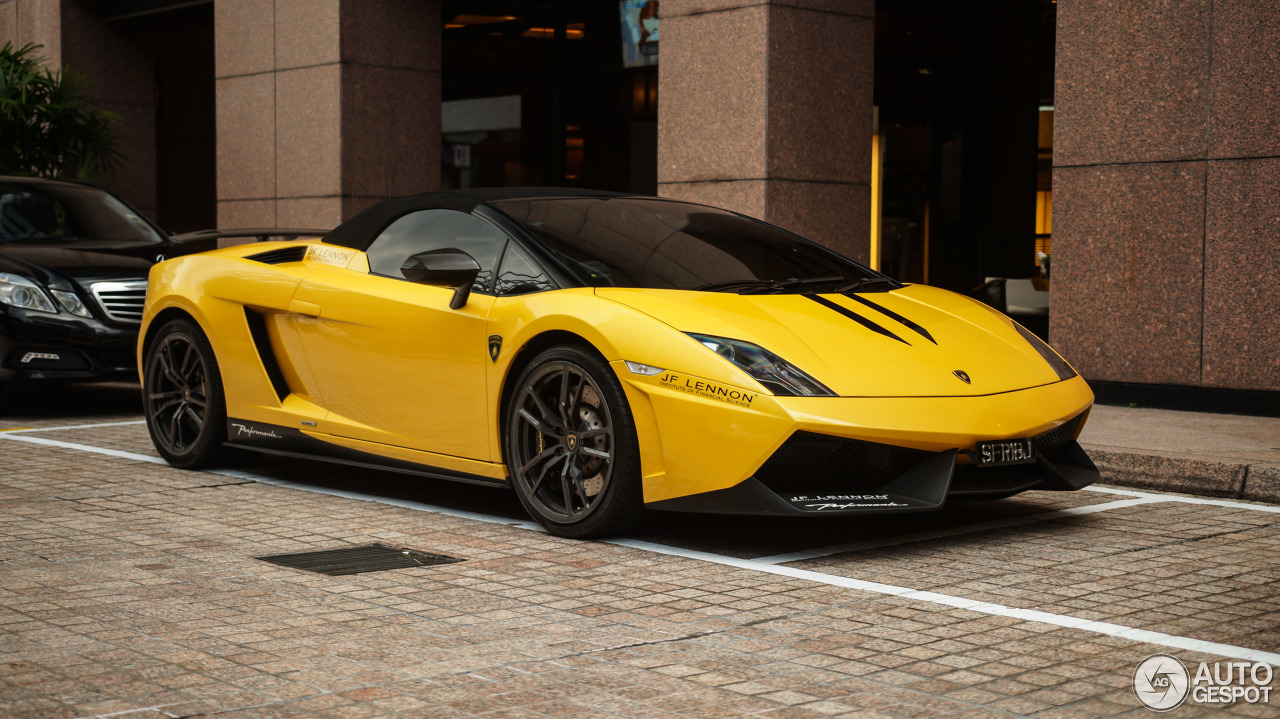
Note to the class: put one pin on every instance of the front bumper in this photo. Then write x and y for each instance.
(846, 455)
(87, 349)
(813, 473)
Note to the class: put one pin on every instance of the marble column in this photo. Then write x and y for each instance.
(1166, 267)
(120, 75)
(325, 107)
(33, 21)
(766, 110)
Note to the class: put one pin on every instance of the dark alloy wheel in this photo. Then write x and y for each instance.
(570, 445)
(182, 395)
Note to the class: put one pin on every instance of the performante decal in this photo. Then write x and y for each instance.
(335, 256)
(709, 390)
(249, 431)
(856, 317)
(892, 315)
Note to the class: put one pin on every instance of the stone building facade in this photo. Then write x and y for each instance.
(1166, 164)
(1167, 184)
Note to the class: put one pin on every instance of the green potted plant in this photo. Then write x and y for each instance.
(48, 127)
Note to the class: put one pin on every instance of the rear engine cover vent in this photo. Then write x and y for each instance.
(280, 256)
(357, 560)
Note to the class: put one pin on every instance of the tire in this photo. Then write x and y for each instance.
(570, 445)
(182, 397)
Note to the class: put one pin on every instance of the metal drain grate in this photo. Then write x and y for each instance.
(357, 560)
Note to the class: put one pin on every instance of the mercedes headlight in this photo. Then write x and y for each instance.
(19, 291)
(1055, 361)
(777, 375)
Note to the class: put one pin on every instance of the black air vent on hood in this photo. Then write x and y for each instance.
(280, 256)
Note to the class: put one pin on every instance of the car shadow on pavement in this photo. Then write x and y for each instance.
(498, 501)
(89, 402)
(740, 536)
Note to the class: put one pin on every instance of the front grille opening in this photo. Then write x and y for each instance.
(1052, 443)
(121, 301)
(811, 463)
(358, 560)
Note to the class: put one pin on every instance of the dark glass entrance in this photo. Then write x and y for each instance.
(536, 93)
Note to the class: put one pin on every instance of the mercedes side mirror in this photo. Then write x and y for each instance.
(448, 267)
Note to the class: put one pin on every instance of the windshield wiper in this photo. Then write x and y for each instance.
(871, 282)
(752, 286)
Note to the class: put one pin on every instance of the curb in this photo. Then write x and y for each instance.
(1254, 481)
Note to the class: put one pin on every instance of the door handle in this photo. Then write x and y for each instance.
(304, 308)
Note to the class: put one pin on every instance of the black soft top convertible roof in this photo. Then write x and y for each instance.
(360, 231)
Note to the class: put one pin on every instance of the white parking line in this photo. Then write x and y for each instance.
(1030, 615)
(952, 531)
(973, 605)
(154, 710)
(1228, 504)
(15, 437)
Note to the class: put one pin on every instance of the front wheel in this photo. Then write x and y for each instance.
(182, 394)
(570, 445)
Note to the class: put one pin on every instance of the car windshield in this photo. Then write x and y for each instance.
(665, 244)
(70, 213)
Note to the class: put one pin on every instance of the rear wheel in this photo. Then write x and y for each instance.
(570, 445)
(182, 395)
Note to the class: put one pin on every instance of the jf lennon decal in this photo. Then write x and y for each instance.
(710, 390)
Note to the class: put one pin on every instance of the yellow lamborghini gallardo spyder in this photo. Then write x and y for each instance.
(602, 354)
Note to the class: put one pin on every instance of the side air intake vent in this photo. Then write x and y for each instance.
(262, 340)
(280, 256)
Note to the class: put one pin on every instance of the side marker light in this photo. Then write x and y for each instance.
(642, 369)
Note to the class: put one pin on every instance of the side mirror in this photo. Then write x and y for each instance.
(448, 267)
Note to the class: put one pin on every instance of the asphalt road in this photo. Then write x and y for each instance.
(129, 588)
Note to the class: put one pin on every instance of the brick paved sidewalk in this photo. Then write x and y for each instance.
(131, 589)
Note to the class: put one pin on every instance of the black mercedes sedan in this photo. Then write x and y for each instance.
(73, 278)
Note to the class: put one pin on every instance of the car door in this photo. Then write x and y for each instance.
(393, 363)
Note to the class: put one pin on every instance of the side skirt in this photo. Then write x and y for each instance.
(290, 442)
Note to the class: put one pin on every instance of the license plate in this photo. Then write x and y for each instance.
(1000, 452)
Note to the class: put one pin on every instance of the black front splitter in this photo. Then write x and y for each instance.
(924, 487)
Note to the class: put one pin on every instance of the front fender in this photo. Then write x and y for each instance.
(618, 333)
(214, 288)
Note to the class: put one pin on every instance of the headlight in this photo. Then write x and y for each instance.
(71, 301)
(776, 374)
(21, 292)
(1055, 361)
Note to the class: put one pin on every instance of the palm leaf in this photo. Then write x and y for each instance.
(48, 124)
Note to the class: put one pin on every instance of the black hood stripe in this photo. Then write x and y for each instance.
(856, 317)
(892, 315)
